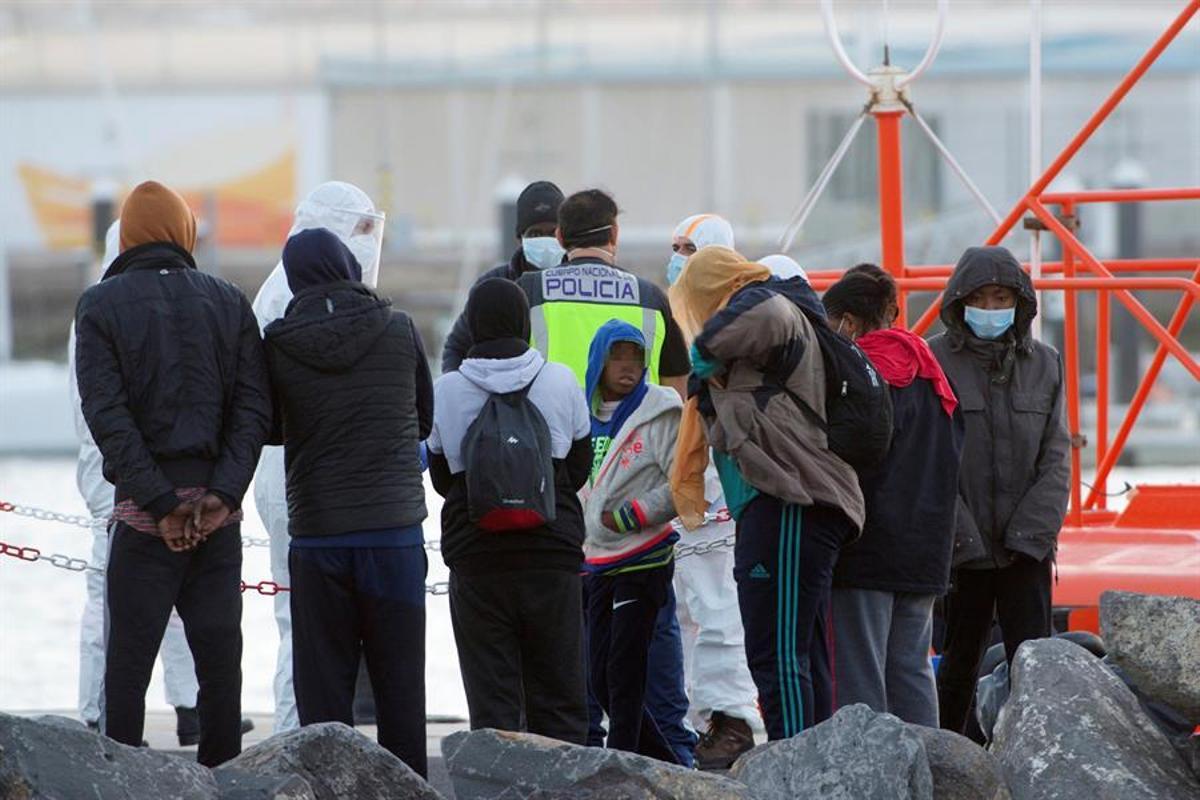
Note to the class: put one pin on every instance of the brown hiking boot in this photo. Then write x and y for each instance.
(726, 739)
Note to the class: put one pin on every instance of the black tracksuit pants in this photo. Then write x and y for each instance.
(362, 602)
(519, 635)
(145, 580)
(622, 611)
(783, 567)
(1018, 596)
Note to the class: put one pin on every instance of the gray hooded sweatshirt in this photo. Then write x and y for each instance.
(1014, 481)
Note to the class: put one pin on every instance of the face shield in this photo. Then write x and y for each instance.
(346, 210)
(366, 243)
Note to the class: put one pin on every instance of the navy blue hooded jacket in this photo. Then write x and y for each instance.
(353, 397)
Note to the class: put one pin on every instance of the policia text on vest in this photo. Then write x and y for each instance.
(569, 303)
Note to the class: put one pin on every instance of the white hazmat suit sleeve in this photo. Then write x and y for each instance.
(709, 618)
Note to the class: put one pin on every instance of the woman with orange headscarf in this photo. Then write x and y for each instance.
(755, 355)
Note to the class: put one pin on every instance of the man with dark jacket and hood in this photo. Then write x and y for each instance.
(1013, 484)
(174, 390)
(537, 248)
(515, 595)
(354, 398)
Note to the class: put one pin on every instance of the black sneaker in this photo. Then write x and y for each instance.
(187, 726)
(726, 739)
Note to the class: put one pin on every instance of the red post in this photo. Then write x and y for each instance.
(891, 202)
(1071, 366)
(1103, 314)
(1143, 393)
(1069, 242)
(1101, 114)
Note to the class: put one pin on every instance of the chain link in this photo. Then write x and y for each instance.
(268, 588)
(82, 521)
(46, 515)
(23, 553)
(702, 548)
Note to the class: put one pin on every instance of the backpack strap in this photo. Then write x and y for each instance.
(808, 410)
(515, 393)
(522, 393)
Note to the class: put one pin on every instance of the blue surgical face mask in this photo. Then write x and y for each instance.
(675, 267)
(988, 323)
(542, 252)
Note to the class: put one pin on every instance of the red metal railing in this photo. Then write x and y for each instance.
(1100, 276)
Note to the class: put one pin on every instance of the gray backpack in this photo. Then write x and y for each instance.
(509, 467)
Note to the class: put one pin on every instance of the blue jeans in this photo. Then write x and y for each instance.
(666, 698)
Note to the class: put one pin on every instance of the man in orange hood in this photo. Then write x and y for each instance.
(174, 390)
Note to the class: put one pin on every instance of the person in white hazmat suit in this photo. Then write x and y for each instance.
(719, 684)
(348, 212)
(179, 671)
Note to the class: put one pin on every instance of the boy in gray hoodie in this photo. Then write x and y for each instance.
(629, 549)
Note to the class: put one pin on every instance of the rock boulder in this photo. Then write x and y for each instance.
(59, 758)
(335, 761)
(233, 784)
(858, 754)
(490, 764)
(1071, 729)
(961, 769)
(1156, 641)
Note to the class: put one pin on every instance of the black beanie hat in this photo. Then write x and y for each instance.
(538, 203)
(498, 317)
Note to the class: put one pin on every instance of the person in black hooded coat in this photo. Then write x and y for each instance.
(354, 398)
(537, 218)
(1015, 476)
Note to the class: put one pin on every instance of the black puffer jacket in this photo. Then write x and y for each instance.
(354, 398)
(459, 342)
(1015, 476)
(172, 378)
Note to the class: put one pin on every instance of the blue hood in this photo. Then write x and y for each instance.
(610, 333)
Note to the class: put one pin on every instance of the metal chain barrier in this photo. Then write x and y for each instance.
(267, 588)
(55, 559)
(271, 588)
(45, 515)
(82, 521)
(703, 548)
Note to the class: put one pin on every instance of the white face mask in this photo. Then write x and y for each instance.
(542, 252)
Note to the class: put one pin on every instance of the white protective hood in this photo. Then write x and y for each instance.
(89, 470)
(348, 212)
(784, 267)
(706, 229)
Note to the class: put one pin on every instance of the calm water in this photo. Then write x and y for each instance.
(40, 606)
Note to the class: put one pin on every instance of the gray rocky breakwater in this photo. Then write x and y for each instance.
(1071, 728)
